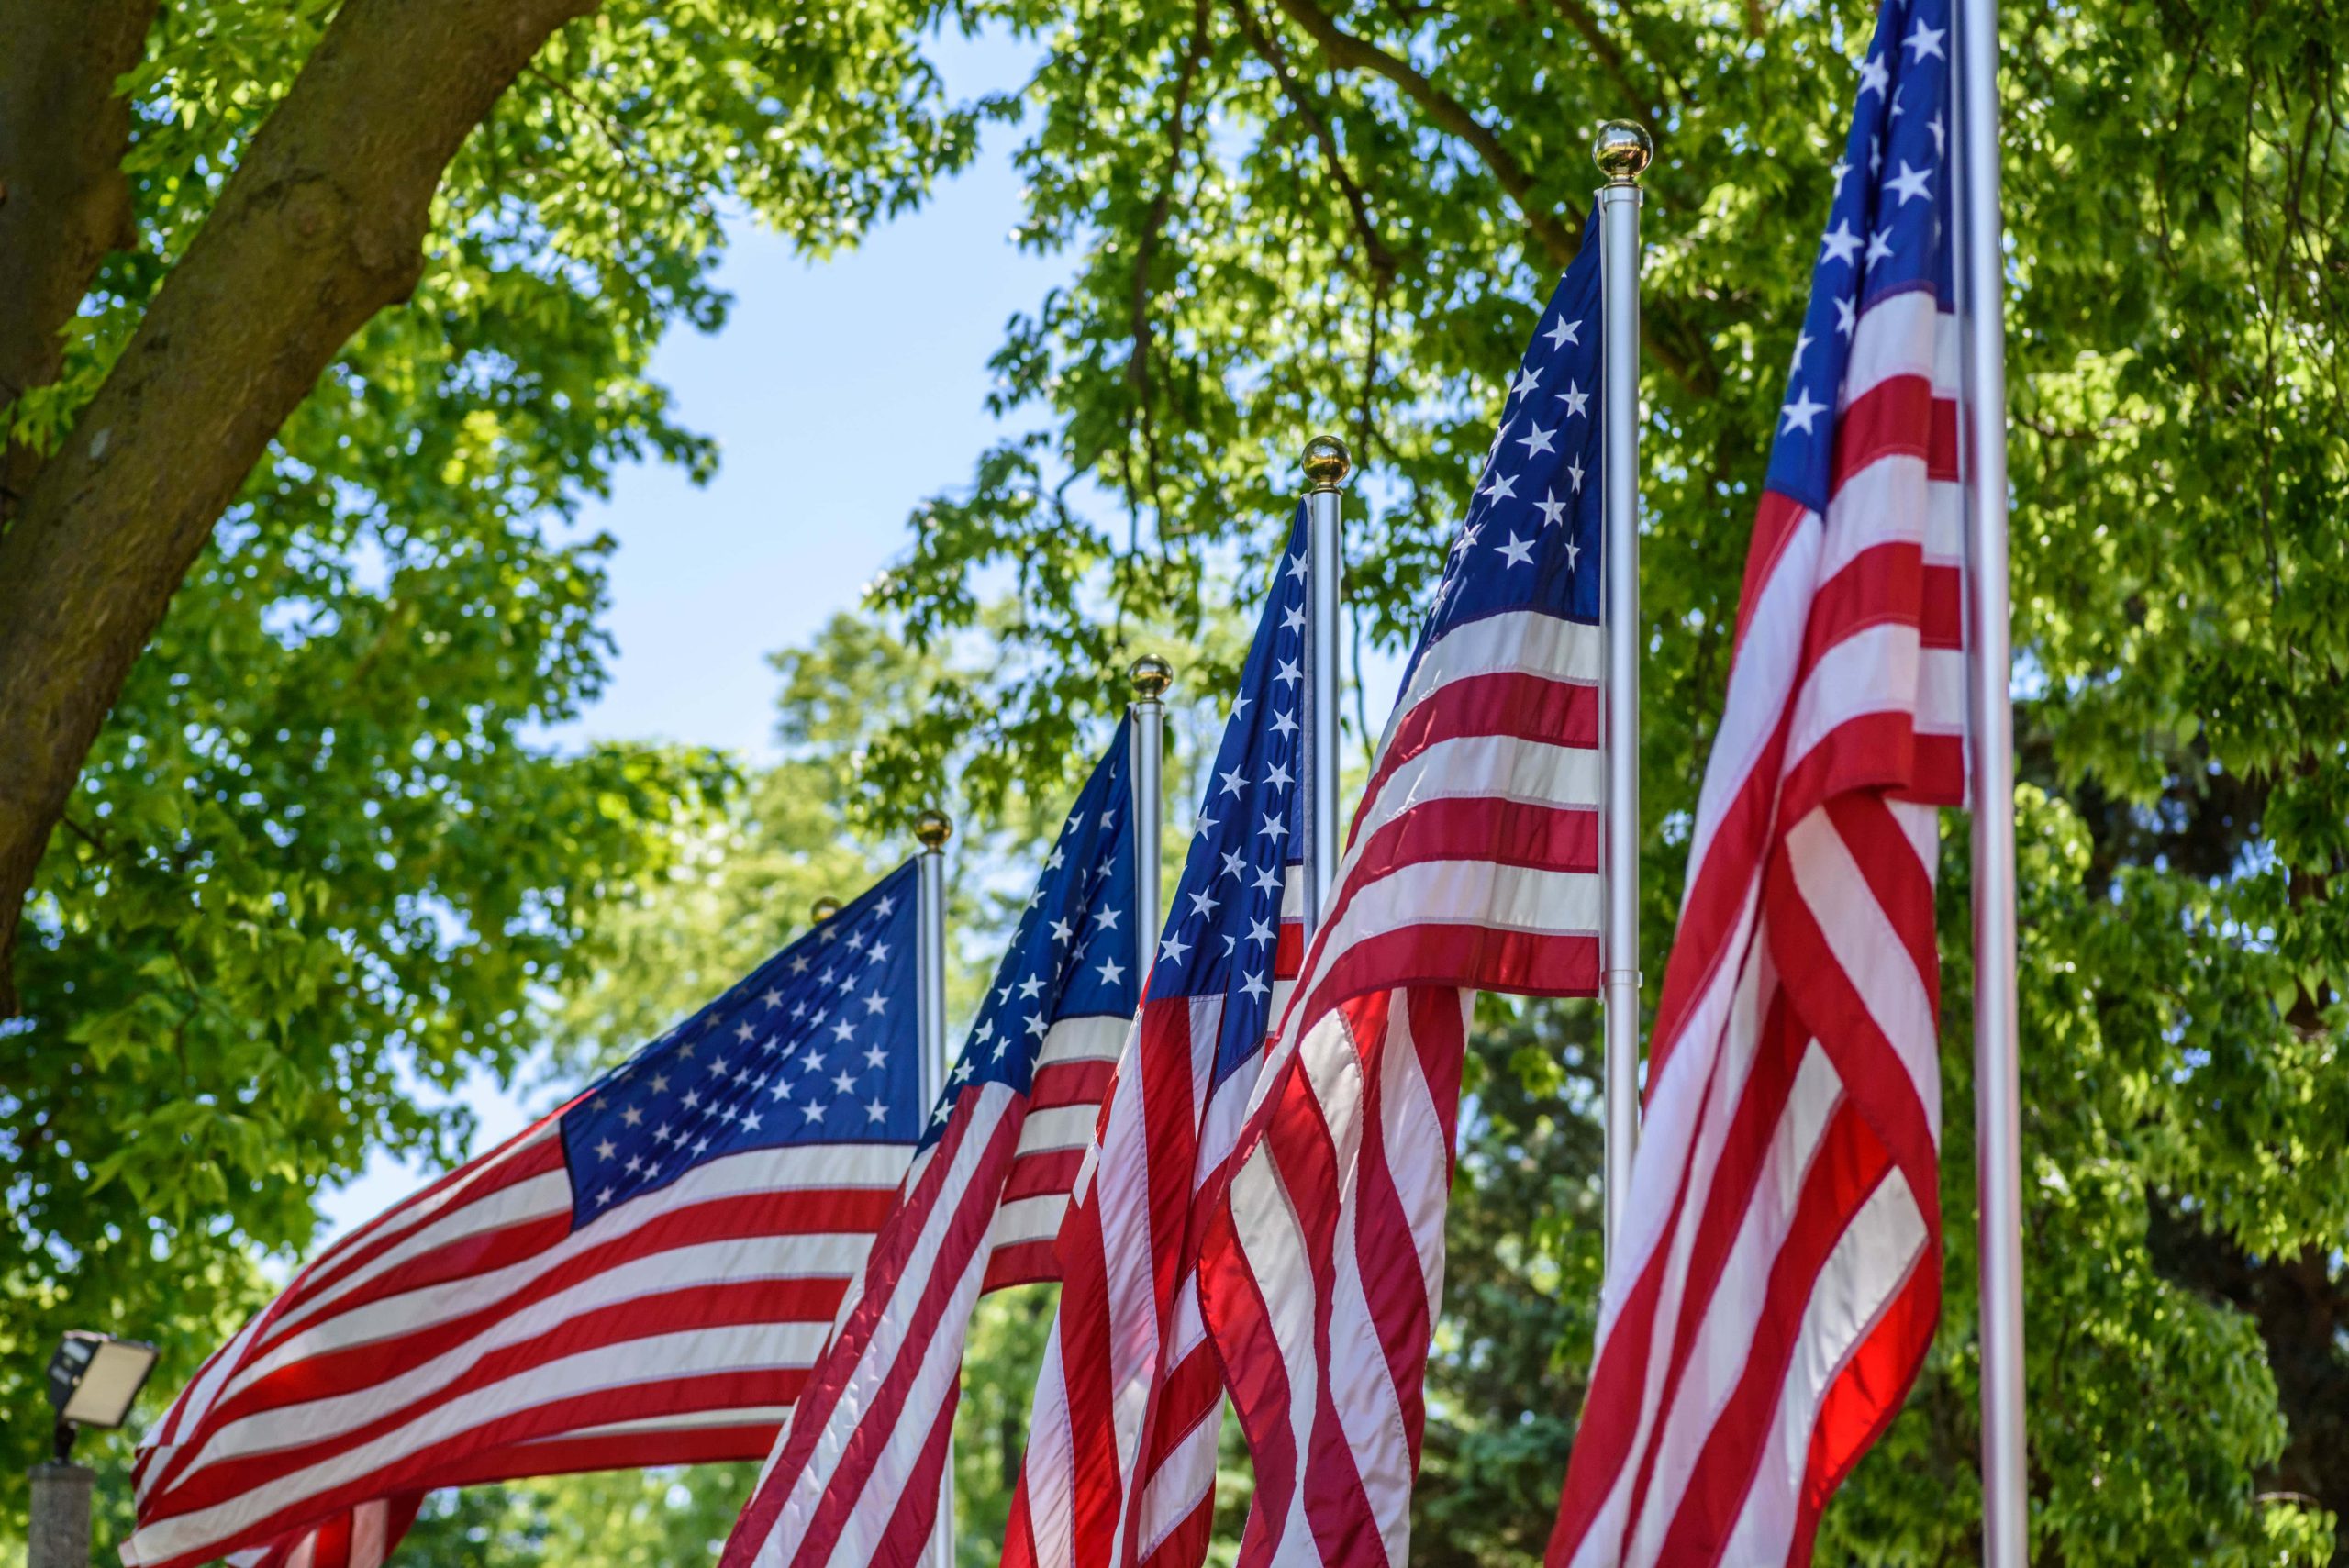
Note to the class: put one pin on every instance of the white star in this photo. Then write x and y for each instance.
(1062, 930)
(1295, 620)
(1553, 510)
(814, 1112)
(1283, 724)
(961, 1072)
(799, 964)
(780, 1092)
(662, 1133)
(799, 1009)
(631, 1116)
(1525, 382)
(1925, 40)
(1036, 1025)
(1799, 413)
(875, 1001)
(1563, 332)
(1288, 674)
(1273, 829)
(877, 1057)
(1030, 987)
(1202, 904)
(1202, 825)
(1845, 317)
(635, 1166)
(1109, 971)
(1910, 182)
(1577, 400)
(1278, 777)
(876, 1111)
(1234, 864)
(743, 1032)
(842, 1082)
(1270, 882)
(880, 951)
(1879, 247)
(1842, 167)
(1058, 860)
(1517, 551)
(604, 1197)
(1297, 567)
(856, 940)
(1234, 781)
(1940, 129)
(605, 1149)
(660, 1082)
(1255, 985)
(812, 1062)
(1574, 472)
(881, 910)
(1574, 554)
(1107, 920)
(1503, 487)
(1839, 244)
(1259, 930)
(1874, 77)
(750, 1121)
(693, 1100)
(1802, 341)
(701, 1147)
(773, 999)
(843, 1032)
(1537, 440)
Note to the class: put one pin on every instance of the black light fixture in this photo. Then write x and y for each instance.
(93, 1379)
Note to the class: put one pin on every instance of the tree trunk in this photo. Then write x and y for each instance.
(321, 226)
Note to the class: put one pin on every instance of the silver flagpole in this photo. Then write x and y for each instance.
(1621, 150)
(1151, 676)
(931, 830)
(1326, 464)
(1998, 1093)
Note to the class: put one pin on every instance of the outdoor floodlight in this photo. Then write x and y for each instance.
(93, 1378)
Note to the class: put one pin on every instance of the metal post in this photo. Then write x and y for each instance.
(1621, 150)
(931, 830)
(1998, 1093)
(1326, 464)
(1151, 676)
(60, 1516)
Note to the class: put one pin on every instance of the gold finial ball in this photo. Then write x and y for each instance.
(823, 909)
(932, 828)
(1622, 149)
(1327, 462)
(1151, 676)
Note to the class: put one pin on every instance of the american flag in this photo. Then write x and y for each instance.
(856, 1477)
(643, 1277)
(1472, 865)
(1776, 1285)
(1121, 1460)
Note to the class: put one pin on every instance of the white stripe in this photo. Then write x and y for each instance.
(1273, 1248)
(1902, 335)
(733, 1262)
(743, 1347)
(367, 1527)
(1733, 1311)
(1059, 1127)
(1048, 1466)
(1028, 1219)
(1869, 1264)
(679, 1421)
(1483, 767)
(1519, 641)
(1094, 1038)
(1869, 951)
(861, 1389)
(1185, 1476)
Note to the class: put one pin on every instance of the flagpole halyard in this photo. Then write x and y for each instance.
(1326, 464)
(1997, 1098)
(1151, 676)
(931, 830)
(1621, 150)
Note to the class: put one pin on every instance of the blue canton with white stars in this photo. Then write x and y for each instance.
(1222, 932)
(1530, 541)
(1884, 231)
(1073, 956)
(819, 1044)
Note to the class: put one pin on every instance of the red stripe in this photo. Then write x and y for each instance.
(742, 1217)
(966, 1226)
(1020, 1262)
(700, 1307)
(1059, 1083)
(1512, 703)
(1046, 1171)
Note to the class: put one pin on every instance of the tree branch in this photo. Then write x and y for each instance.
(64, 203)
(321, 226)
(1352, 53)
